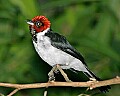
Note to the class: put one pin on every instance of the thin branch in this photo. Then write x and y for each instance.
(105, 82)
(91, 85)
(45, 93)
(13, 92)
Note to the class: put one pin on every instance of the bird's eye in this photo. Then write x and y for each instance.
(38, 24)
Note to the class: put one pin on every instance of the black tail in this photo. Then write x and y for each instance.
(90, 74)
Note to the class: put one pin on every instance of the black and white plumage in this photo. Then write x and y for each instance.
(55, 49)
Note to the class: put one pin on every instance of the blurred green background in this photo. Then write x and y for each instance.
(91, 26)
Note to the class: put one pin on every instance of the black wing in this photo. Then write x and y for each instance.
(61, 43)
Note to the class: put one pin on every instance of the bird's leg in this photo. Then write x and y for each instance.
(51, 77)
(63, 73)
(55, 69)
(92, 80)
(51, 73)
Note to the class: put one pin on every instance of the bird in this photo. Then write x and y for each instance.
(54, 48)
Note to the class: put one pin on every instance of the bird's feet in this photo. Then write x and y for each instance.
(57, 69)
(92, 80)
(51, 73)
(51, 77)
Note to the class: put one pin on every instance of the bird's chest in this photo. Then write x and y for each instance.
(43, 46)
(48, 53)
(45, 50)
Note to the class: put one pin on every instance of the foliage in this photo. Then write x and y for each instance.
(92, 26)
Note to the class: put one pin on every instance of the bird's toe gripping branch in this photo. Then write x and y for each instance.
(51, 74)
(55, 69)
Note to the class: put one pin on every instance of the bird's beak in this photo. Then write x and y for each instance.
(29, 22)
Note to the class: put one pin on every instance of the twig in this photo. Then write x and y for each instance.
(13, 92)
(63, 73)
(45, 93)
(83, 95)
(91, 85)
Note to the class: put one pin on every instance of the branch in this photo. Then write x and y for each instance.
(91, 84)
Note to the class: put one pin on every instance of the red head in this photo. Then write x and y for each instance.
(39, 23)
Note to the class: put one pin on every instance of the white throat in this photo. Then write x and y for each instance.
(43, 32)
(40, 35)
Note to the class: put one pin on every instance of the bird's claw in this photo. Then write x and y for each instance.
(56, 71)
(51, 78)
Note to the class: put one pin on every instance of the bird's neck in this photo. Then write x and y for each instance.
(43, 32)
(41, 35)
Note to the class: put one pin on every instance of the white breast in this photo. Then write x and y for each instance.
(54, 56)
(50, 54)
